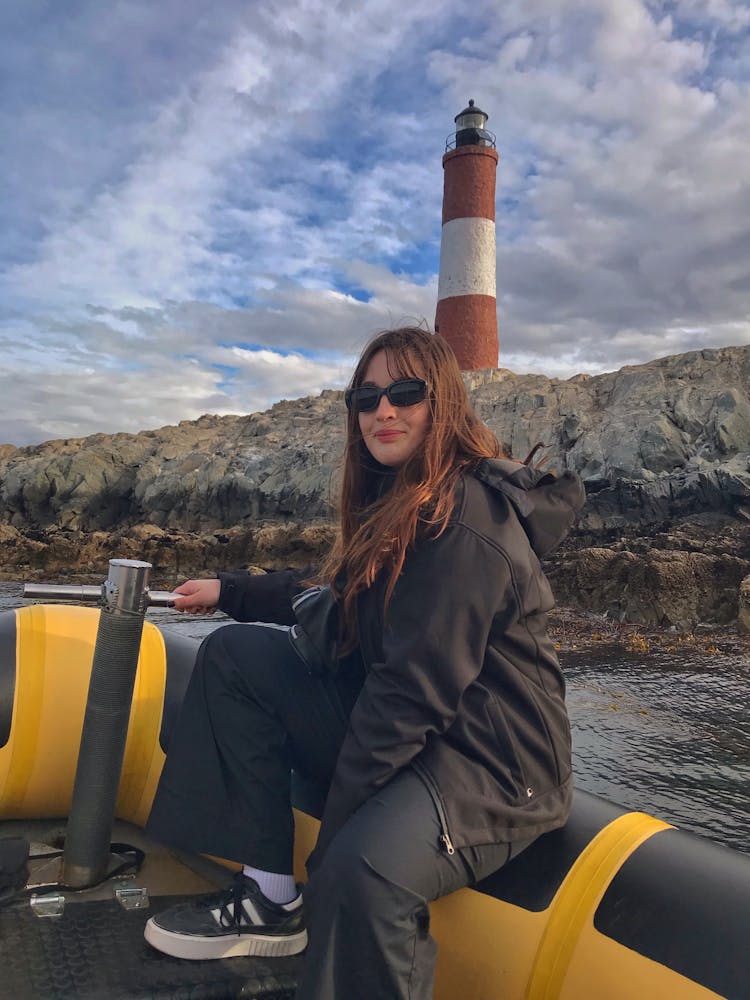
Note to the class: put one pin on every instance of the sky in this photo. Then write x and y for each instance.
(206, 208)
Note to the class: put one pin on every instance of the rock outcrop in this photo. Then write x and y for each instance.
(680, 577)
(743, 616)
(658, 446)
(174, 554)
(212, 473)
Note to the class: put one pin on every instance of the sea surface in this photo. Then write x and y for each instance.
(663, 730)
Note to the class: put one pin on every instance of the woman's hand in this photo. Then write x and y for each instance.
(200, 597)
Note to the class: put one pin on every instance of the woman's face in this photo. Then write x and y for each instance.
(391, 433)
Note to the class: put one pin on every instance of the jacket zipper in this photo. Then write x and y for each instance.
(434, 793)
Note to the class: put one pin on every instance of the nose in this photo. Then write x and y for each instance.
(385, 409)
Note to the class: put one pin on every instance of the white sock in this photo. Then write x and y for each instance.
(277, 888)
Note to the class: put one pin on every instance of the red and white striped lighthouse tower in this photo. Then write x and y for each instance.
(467, 305)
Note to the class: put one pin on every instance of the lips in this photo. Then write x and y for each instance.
(388, 435)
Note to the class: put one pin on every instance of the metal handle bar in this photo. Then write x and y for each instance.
(88, 594)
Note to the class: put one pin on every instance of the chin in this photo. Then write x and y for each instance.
(391, 459)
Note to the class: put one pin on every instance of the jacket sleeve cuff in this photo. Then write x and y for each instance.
(265, 597)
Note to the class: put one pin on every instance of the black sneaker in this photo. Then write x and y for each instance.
(238, 921)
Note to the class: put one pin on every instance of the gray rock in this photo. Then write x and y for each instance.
(743, 615)
(657, 445)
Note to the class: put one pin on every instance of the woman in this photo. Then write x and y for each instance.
(422, 689)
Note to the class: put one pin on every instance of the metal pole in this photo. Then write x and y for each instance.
(88, 594)
(105, 724)
(62, 592)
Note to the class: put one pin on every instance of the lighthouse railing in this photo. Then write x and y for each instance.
(480, 137)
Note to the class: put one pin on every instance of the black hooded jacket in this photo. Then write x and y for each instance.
(461, 679)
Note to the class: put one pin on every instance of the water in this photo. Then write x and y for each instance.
(667, 732)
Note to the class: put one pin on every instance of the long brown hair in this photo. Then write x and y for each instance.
(377, 526)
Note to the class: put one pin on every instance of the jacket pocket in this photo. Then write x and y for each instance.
(512, 772)
(305, 650)
(315, 636)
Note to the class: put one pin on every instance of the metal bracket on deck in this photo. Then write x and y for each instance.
(47, 904)
(131, 897)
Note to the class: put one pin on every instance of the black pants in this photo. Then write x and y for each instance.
(252, 713)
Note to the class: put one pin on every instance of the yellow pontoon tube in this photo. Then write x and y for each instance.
(615, 906)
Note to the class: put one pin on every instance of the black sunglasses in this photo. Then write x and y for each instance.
(405, 392)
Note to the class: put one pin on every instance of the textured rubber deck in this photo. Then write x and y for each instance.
(96, 951)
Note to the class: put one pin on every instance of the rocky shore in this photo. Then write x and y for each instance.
(663, 448)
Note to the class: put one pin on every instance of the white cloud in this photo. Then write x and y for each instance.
(263, 184)
(134, 368)
(64, 403)
(634, 207)
(151, 234)
(731, 15)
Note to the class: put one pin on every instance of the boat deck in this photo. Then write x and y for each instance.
(95, 948)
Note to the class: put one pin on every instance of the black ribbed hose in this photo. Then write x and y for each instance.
(105, 730)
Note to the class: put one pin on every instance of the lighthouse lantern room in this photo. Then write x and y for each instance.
(471, 129)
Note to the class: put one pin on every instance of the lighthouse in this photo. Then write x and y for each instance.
(467, 305)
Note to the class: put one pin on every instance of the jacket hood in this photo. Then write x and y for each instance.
(546, 504)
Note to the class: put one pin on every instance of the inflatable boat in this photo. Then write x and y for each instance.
(615, 906)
